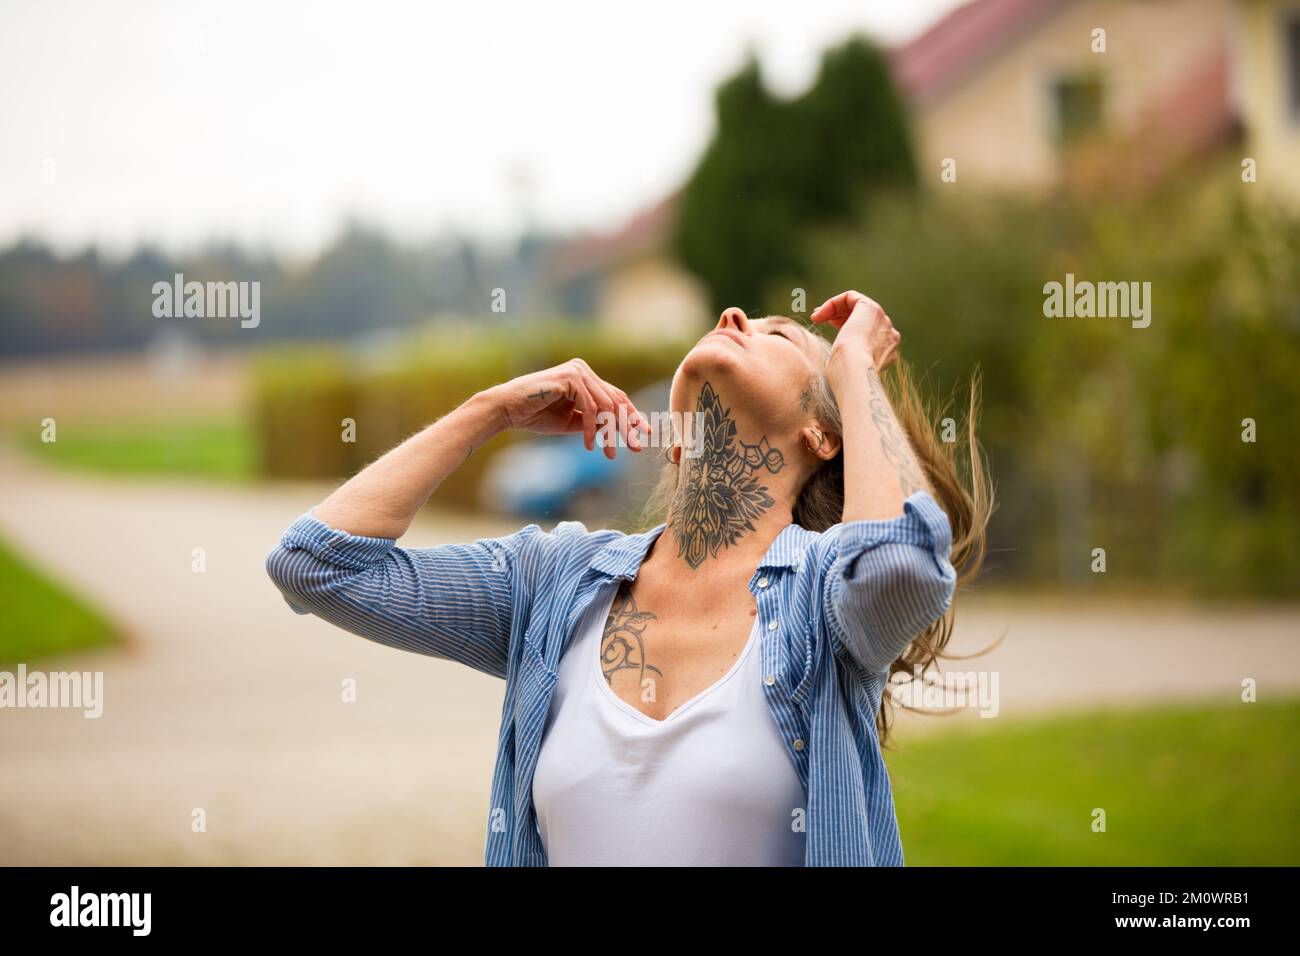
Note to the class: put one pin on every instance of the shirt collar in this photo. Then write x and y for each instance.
(623, 557)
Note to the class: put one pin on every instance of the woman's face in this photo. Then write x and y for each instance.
(760, 367)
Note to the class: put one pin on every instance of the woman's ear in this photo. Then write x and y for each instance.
(822, 443)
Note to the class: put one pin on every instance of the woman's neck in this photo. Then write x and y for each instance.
(733, 494)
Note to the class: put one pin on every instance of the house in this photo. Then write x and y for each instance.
(1009, 94)
(628, 280)
(1268, 91)
(1003, 91)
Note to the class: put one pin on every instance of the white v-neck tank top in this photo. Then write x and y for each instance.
(711, 785)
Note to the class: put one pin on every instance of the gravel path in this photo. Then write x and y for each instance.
(225, 701)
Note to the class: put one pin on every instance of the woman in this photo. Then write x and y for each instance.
(714, 690)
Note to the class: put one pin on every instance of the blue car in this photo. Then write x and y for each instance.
(555, 477)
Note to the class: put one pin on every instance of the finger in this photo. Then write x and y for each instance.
(604, 403)
(624, 412)
(587, 405)
(629, 419)
(837, 307)
(629, 427)
(836, 313)
(575, 421)
(892, 354)
(823, 312)
(868, 308)
(638, 434)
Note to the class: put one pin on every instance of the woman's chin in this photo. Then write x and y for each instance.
(711, 359)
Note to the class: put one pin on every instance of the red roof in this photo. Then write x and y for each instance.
(1192, 115)
(645, 232)
(1197, 113)
(962, 40)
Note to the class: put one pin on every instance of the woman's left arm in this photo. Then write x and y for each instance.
(890, 576)
(880, 468)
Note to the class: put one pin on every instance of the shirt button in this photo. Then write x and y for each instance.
(798, 743)
(771, 625)
(762, 582)
(769, 680)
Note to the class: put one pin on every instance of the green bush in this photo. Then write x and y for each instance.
(300, 399)
(1101, 434)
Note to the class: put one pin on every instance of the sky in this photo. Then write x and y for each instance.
(273, 124)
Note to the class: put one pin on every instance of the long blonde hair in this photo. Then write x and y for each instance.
(956, 471)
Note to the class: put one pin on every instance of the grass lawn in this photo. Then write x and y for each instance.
(1187, 786)
(208, 448)
(40, 617)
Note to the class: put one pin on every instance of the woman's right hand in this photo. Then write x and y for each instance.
(566, 399)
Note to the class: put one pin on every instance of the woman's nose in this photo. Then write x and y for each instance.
(734, 318)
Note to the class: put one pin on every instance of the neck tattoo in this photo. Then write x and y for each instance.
(719, 495)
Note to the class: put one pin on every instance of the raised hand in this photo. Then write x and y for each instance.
(566, 399)
(863, 326)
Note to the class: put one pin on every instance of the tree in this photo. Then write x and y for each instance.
(775, 169)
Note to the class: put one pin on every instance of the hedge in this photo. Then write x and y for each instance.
(302, 397)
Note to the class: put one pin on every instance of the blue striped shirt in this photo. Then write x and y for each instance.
(835, 609)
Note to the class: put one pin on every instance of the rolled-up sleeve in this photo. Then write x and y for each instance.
(888, 581)
(453, 601)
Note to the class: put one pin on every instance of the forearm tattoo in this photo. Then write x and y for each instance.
(897, 449)
(719, 495)
(622, 646)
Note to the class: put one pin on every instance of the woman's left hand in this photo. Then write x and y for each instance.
(863, 326)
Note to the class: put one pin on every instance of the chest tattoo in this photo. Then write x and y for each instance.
(622, 645)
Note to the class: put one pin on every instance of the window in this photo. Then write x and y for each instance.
(1077, 104)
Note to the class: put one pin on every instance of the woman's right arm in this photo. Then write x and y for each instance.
(382, 500)
(341, 561)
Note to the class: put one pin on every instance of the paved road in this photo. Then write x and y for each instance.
(226, 701)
